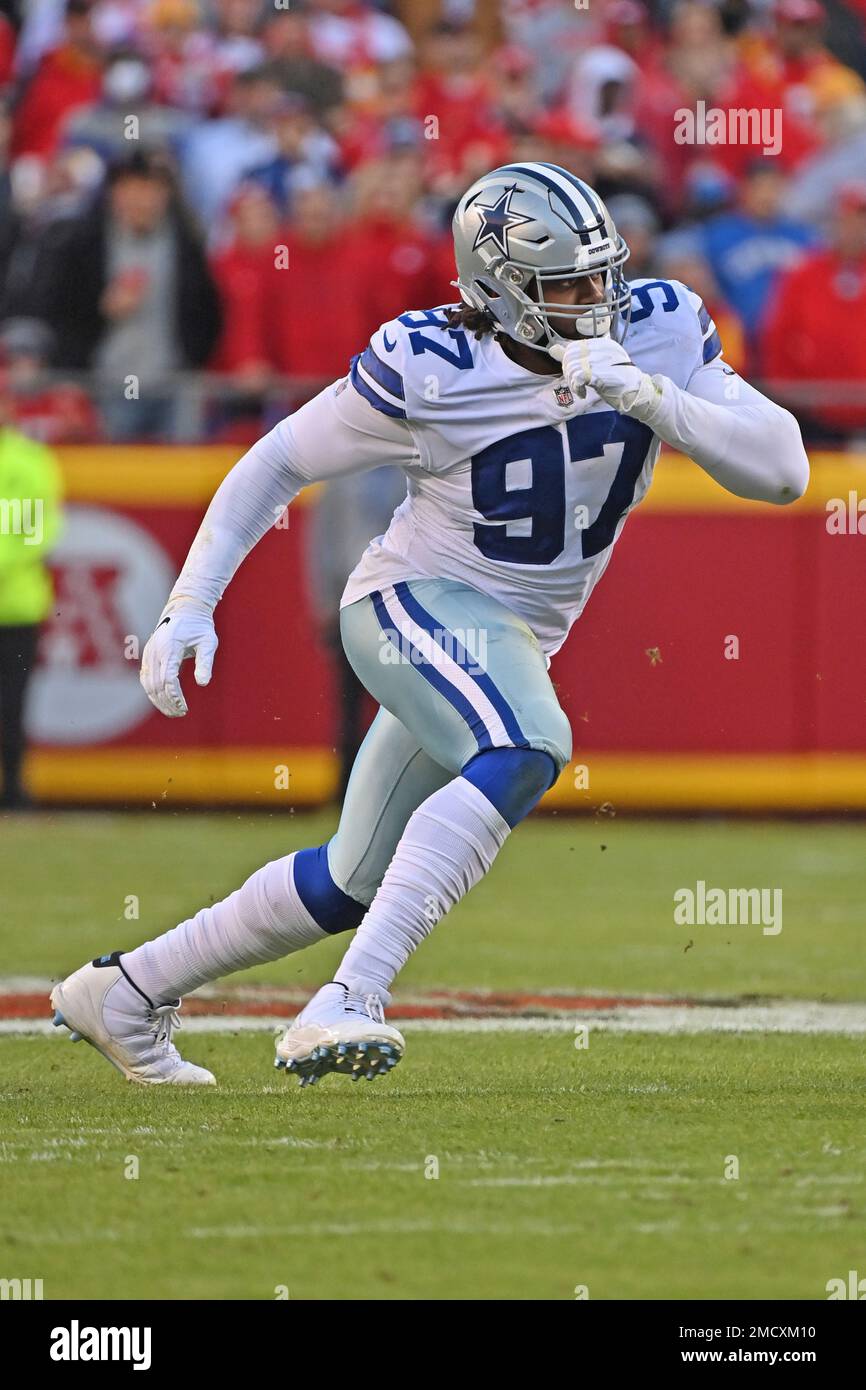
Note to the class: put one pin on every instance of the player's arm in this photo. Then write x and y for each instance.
(335, 434)
(750, 445)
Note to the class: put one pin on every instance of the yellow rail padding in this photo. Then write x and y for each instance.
(170, 476)
(616, 782)
(161, 475)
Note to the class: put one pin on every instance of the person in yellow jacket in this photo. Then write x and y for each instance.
(29, 525)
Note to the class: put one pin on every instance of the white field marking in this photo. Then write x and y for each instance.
(101, 1234)
(556, 1180)
(27, 984)
(95, 1234)
(385, 1228)
(786, 1016)
(592, 1179)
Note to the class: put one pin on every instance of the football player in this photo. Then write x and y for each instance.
(527, 419)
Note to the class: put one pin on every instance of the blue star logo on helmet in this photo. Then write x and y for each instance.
(496, 221)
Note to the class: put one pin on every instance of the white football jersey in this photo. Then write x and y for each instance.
(516, 487)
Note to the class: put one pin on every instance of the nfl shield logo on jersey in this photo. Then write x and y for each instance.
(563, 395)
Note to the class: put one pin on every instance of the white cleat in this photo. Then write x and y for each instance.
(100, 1004)
(341, 1032)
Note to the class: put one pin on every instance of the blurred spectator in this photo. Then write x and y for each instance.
(29, 524)
(183, 58)
(66, 77)
(132, 297)
(362, 138)
(290, 58)
(126, 113)
(810, 73)
(679, 256)
(304, 152)
(314, 310)
(748, 248)
(220, 152)
(698, 61)
(553, 33)
(41, 30)
(398, 264)
(355, 37)
(7, 50)
(814, 330)
(44, 194)
(628, 26)
(601, 91)
(238, 34)
(390, 117)
(41, 406)
(514, 100)
(245, 273)
(8, 228)
(454, 89)
(566, 141)
(814, 192)
(638, 222)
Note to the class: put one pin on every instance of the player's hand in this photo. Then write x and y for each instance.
(185, 629)
(605, 366)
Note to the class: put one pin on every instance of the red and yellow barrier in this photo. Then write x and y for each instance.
(720, 664)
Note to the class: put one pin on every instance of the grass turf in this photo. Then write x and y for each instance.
(557, 1167)
(570, 904)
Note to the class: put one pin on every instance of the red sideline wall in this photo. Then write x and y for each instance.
(663, 716)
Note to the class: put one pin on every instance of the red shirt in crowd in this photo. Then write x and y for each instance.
(314, 310)
(399, 268)
(57, 415)
(814, 332)
(245, 277)
(65, 79)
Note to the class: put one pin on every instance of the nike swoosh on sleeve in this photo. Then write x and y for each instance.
(389, 347)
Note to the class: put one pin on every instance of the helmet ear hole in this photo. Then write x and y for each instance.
(489, 289)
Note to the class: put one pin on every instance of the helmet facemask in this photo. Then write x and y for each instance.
(524, 314)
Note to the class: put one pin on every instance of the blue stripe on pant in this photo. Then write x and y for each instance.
(462, 657)
(434, 677)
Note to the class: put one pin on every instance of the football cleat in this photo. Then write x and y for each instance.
(341, 1032)
(101, 1005)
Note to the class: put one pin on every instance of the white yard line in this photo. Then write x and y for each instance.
(787, 1016)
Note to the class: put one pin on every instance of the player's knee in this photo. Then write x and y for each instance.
(562, 743)
(513, 779)
(330, 908)
(552, 732)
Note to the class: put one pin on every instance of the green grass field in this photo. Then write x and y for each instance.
(557, 1167)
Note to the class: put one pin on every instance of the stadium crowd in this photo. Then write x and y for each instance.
(206, 206)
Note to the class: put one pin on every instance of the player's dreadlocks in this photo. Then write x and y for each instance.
(476, 321)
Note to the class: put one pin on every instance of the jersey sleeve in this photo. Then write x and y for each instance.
(341, 431)
(708, 344)
(333, 435)
(378, 374)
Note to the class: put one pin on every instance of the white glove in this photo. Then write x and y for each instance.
(604, 365)
(185, 628)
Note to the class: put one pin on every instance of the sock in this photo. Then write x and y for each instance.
(283, 907)
(448, 845)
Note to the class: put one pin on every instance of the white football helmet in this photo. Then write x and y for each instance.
(524, 224)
